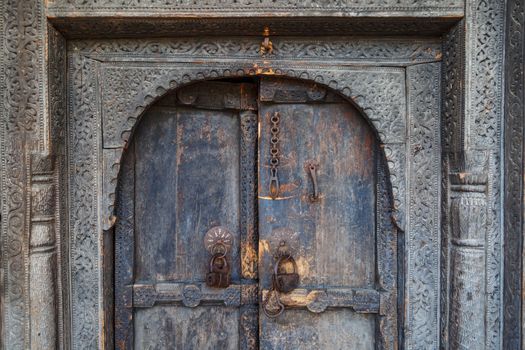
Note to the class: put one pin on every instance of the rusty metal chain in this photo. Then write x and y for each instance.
(274, 154)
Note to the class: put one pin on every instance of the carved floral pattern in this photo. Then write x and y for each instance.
(174, 26)
(423, 239)
(400, 51)
(127, 91)
(83, 164)
(15, 242)
(453, 95)
(254, 5)
(22, 130)
(514, 182)
(483, 118)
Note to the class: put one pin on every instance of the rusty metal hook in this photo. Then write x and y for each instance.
(311, 167)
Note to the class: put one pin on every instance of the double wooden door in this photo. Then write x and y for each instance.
(260, 168)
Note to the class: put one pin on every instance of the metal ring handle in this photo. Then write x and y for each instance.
(220, 257)
(224, 249)
(265, 303)
(283, 258)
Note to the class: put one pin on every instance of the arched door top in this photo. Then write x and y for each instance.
(378, 93)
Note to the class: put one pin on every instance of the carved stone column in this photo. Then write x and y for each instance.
(468, 217)
(42, 252)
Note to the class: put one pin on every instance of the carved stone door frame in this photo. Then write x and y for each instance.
(109, 91)
(481, 170)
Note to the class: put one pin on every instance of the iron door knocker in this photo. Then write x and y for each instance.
(218, 275)
(218, 241)
(282, 282)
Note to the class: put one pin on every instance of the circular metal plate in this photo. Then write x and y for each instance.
(218, 236)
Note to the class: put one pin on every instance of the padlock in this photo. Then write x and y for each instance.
(285, 282)
(219, 272)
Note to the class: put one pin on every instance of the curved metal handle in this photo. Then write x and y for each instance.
(311, 167)
(219, 257)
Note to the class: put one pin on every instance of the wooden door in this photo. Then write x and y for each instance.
(344, 247)
(199, 162)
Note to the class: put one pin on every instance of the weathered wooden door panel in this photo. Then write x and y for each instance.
(181, 178)
(187, 181)
(336, 232)
(333, 238)
(333, 329)
(198, 161)
(180, 327)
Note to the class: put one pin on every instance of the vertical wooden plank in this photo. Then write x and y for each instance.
(249, 322)
(513, 293)
(483, 115)
(85, 167)
(423, 234)
(249, 236)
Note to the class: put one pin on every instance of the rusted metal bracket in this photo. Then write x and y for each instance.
(266, 45)
(192, 295)
(311, 167)
(317, 301)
